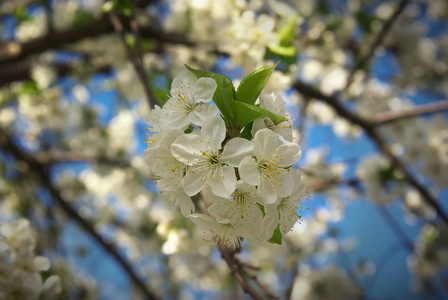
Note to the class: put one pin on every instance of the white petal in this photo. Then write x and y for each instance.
(267, 190)
(209, 196)
(201, 113)
(194, 181)
(265, 142)
(257, 125)
(186, 205)
(270, 221)
(213, 130)
(204, 89)
(41, 263)
(287, 154)
(248, 170)
(183, 84)
(188, 149)
(223, 182)
(203, 221)
(174, 117)
(284, 184)
(236, 149)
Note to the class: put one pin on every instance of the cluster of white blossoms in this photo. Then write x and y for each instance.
(247, 184)
(20, 268)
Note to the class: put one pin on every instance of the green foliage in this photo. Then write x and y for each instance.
(224, 94)
(276, 237)
(246, 113)
(82, 17)
(124, 7)
(287, 33)
(252, 85)
(21, 14)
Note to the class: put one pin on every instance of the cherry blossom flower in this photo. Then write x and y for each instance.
(242, 209)
(274, 103)
(207, 163)
(270, 169)
(189, 101)
(284, 211)
(222, 232)
(165, 166)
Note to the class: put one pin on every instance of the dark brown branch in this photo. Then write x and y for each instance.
(21, 70)
(369, 128)
(55, 157)
(390, 116)
(362, 62)
(15, 51)
(229, 258)
(7, 144)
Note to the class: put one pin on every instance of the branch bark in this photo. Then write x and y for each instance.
(390, 116)
(7, 144)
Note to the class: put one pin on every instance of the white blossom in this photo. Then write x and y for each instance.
(270, 168)
(188, 103)
(207, 164)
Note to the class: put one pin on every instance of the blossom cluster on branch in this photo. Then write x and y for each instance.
(242, 166)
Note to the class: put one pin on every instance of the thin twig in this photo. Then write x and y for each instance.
(228, 256)
(387, 117)
(7, 144)
(378, 41)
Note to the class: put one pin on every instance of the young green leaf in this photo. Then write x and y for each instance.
(224, 93)
(246, 113)
(276, 237)
(289, 51)
(288, 31)
(252, 85)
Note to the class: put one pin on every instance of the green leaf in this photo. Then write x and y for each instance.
(276, 237)
(246, 133)
(124, 7)
(82, 17)
(246, 113)
(252, 85)
(224, 93)
(289, 51)
(288, 31)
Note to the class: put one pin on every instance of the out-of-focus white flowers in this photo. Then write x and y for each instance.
(328, 283)
(20, 268)
(383, 181)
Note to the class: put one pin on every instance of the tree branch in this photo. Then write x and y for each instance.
(369, 128)
(7, 144)
(391, 116)
(15, 51)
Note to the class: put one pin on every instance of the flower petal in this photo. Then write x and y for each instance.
(201, 113)
(223, 181)
(267, 190)
(186, 205)
(194, 181)
(265, 142)
(204, 89)
(203, 221)
(236, 149)
(270, 221)
(287, 154)
(188, 149)
(182, 85)
(248, 170)
(213, 130)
